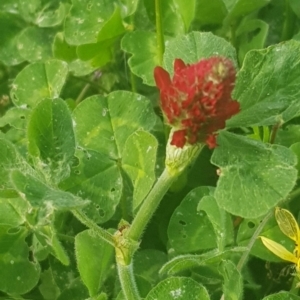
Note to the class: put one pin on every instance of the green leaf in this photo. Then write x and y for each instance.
(147, 263)
(47, 236)
(61, 273)
(244, 7)
(35, 44)
(254, 176)
(29, 9)
(187, 262)
(296, 149)
(143, 47)
(190, 230)
(94, 258)
(11, 27)
(51, 139)
(295, 7)
(270, 230)
(180, 288)
(128, 7)
(18, 274)
(101, 52)
(9, 159)
(282, 296)
(220, 220)
(288, 135)
(195, 46)
(233, 281)
(38, 194)
(48, 288)
(97, 178)
(86, 19)
(175, 14)
(51, 17)
(12, 212)
(62, 50)
(139, 157)
(266, 88)
(103, 124)
(75, 291)
(81, 68)
(37, 82)
(251, 34)
(15, 117)
(210, 12)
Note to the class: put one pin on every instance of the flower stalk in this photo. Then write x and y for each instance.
(127, 281)
(159, 32)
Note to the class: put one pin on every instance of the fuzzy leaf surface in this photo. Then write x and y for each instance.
(38, 81)
(254, 176)
(266, 88)
(195, 46)
(94, 258)
(51, 138)
(181, 288)
(18, 274)
(139, 157)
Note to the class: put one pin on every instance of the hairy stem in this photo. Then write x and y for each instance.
(127, 281)
(100, 232)
(159, 32)
(149, 205)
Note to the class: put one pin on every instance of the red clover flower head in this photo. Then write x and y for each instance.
(197, 101)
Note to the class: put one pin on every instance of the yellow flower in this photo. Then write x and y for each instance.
(289, 226)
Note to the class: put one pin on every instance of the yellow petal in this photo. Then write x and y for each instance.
(279, 250)
(287, 224)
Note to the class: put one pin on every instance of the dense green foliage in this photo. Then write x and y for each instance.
(82, 142)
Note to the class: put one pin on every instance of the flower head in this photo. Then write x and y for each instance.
(197, 101)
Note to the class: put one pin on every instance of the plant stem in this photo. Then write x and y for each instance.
(132, 82)
(258, 230)
(294, 289)
(274, 132)
(149, 205)
(289, 23)
(127, 281)
(82, 93)
(159, 32)
(100, 232)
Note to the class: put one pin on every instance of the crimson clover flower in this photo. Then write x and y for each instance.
(197, 101)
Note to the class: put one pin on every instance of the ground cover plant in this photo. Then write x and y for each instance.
(149, 149)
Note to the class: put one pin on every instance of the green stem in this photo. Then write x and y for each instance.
(82, 93)
(274, 132)
(132, 82)
(294, 288)
(128, 283)
(289, 23)
(257, 232)
(149, 205)
(100, 232)
(233, 34)
(159, 32)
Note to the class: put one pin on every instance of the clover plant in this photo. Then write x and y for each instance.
(149, 149)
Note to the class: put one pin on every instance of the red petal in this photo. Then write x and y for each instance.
(162, 78)
(178, 138)
(178, 65)
(211, 141)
